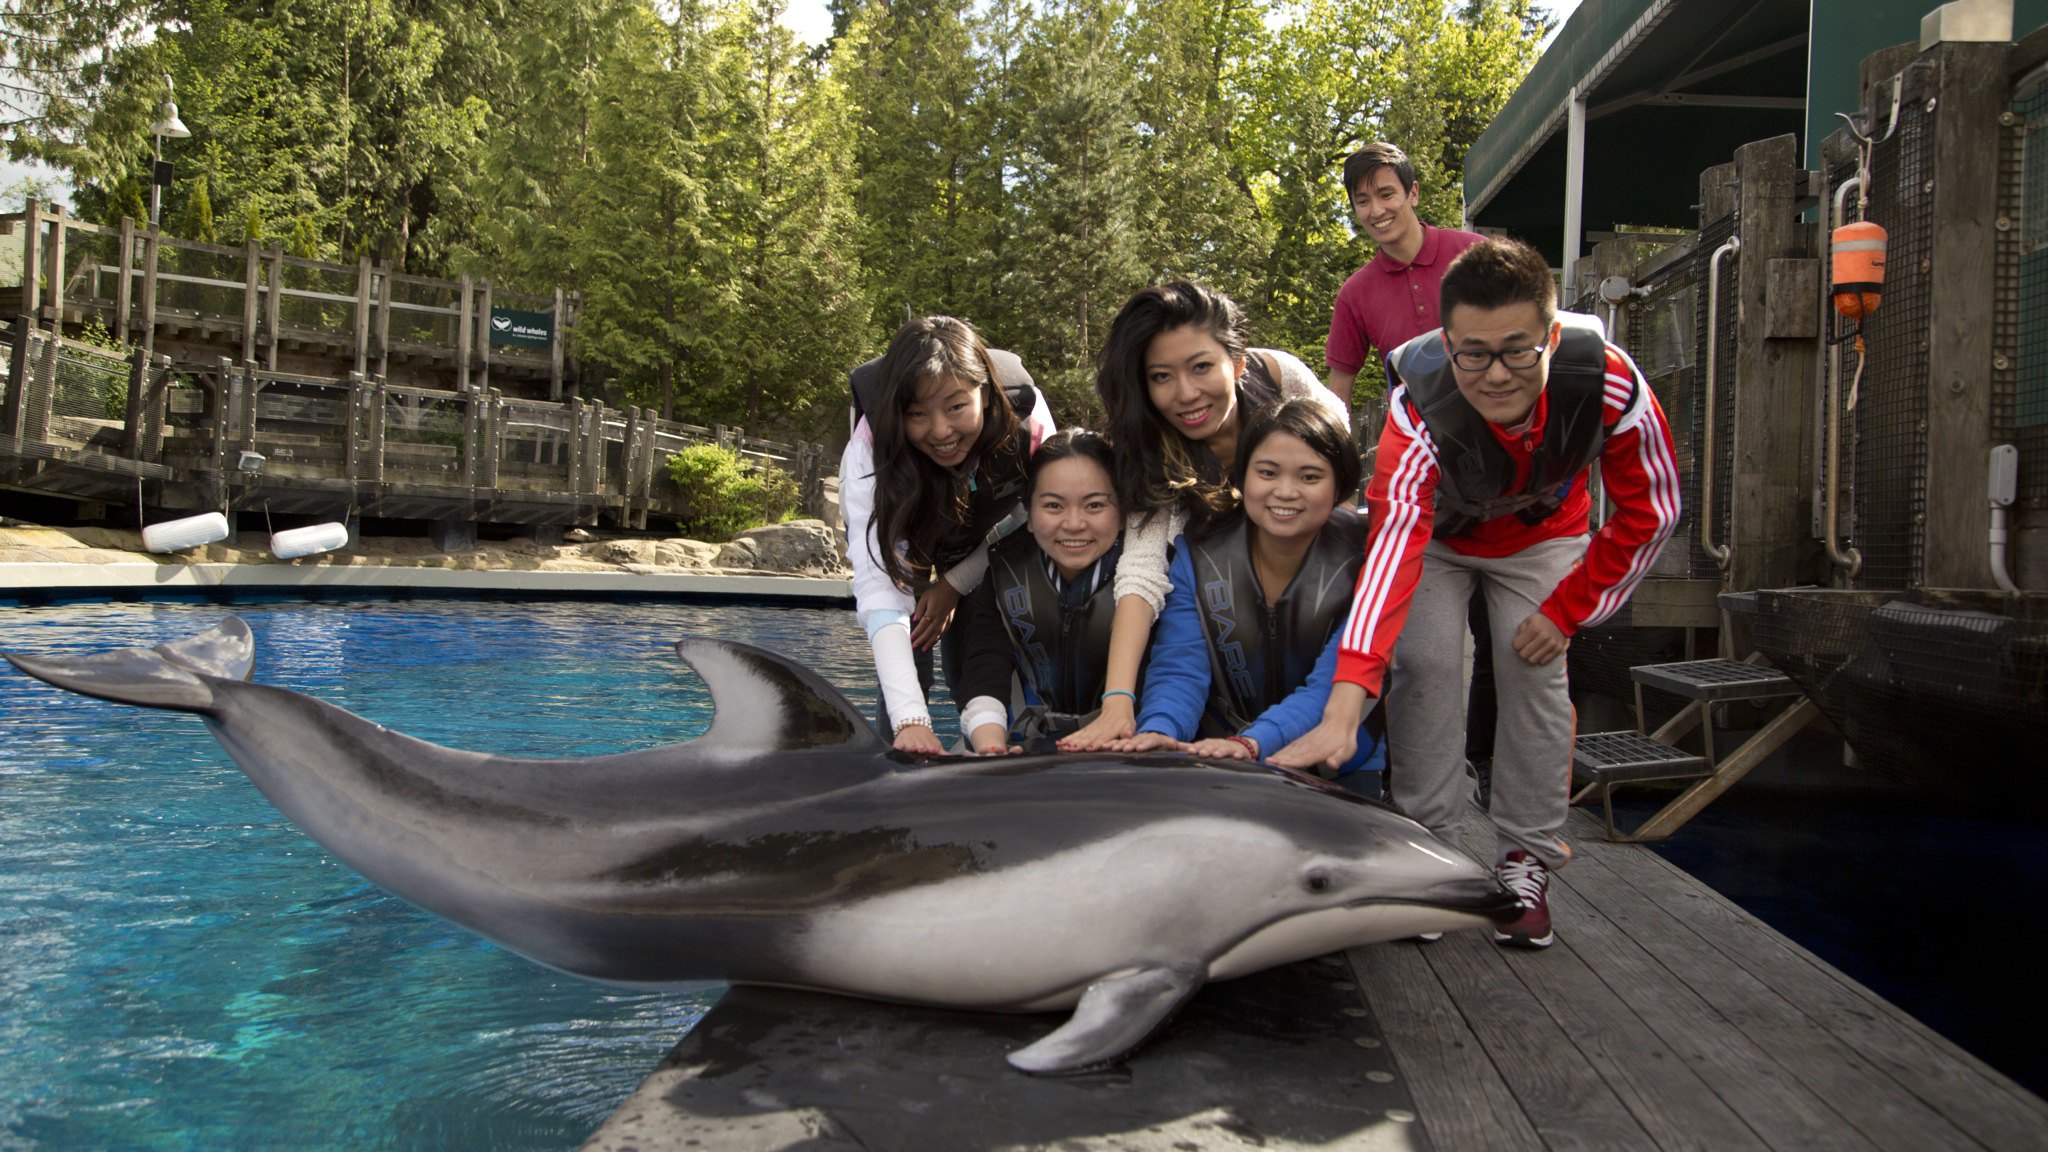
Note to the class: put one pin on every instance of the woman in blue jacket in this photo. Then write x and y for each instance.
(1247, 643)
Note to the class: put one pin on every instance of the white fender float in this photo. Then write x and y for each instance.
(311, 540)
(190, 532)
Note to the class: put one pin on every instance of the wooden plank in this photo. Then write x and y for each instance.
(1916, 1061)
(1803, 1087)
(1729, 770)
(1709, 1071)
(1458, 1090)
(1564, 1096)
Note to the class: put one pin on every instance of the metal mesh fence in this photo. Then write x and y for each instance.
(425, 432)
(92, 266)
(13, 245)
(2019, 402)
(89, 391)
(1888, 462)
(1920, 688)
(303, 423)
(316, 298)
(535, 442)
(201, 281)
(1665, 340)
(424, 312)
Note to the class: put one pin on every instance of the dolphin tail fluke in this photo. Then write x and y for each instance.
(1113, 1017)
(766, 703)
(166, 676)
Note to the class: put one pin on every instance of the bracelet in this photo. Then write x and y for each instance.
(1132, 696)
(924, 722)
(1247, 743)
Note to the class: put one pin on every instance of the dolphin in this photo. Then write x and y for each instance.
(789, 846)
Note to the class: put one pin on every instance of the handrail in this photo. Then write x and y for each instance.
(1717, 551)
(1851, 560)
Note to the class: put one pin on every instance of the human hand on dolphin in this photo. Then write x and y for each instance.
(1331, 743)
(1144, 742)
(992, 740)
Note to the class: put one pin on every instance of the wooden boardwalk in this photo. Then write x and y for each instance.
(1664, 1018)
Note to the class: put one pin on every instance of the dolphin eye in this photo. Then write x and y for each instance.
(1317, 882)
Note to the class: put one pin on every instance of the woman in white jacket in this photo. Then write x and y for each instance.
(935, 470)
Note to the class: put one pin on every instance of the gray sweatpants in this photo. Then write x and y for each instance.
(1532, 750)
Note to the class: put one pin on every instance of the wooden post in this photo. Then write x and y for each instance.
(124, 292)
(42, 393)
(251, 385)
(157, 402)
(472, 417)
(352, 445)
(11, 415)
(494, 436)
(31, 260)
(251, 292)
(593, 476)
(221, 398)
(464, 332)
(152, 242)
(54, 309)
(1771, 478)
(559, 328)
(483, 312)
(377, 422)
(1964, 209)
(363, 278)
(133, 419)
(574, 415)
(383, 339)
(272, 300)
(627, 461)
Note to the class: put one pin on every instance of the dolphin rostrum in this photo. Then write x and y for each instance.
(789, 846)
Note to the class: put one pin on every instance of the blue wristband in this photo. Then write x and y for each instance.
(1120, 692)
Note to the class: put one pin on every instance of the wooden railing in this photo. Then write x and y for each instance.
(243, 432)
(253, 301)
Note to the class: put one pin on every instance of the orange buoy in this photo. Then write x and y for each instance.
(1858, 268)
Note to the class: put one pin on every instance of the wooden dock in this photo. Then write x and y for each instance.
(1664, 1018)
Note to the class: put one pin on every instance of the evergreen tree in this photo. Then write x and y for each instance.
(1075, 197)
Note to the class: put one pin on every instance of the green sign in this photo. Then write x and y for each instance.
(522, 329)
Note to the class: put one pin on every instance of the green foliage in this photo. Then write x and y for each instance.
(108, 383)
(728, 494)
(743, 218)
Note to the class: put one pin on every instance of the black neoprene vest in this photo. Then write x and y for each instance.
(1000, 479)
(1257, 655)
(1063, 652)
(1476, 475)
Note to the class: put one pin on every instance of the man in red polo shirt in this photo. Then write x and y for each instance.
(1393, 299)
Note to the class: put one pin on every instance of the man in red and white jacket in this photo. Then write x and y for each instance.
(1480, 481)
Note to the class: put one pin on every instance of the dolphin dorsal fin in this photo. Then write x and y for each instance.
(767, 703)
(166, 676)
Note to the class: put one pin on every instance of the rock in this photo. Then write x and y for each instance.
(682, 553)
(808, 547)
(625, 552)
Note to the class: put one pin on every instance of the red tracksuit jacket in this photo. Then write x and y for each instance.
(1636, 465)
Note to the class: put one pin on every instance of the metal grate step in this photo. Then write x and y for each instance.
(1716, 680)
(1623, 757)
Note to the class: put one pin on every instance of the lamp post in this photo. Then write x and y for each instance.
(167, 124)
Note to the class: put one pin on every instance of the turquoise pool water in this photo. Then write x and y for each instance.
(181, 968)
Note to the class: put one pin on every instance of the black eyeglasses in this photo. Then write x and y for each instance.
(1480, 359)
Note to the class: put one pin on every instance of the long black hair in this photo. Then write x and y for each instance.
(1066, 445)
(1312, 424)
(916, 500)
(1156, 466)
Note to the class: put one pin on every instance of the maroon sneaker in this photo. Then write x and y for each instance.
(1527, 878)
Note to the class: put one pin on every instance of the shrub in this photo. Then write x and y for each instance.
(726, 495)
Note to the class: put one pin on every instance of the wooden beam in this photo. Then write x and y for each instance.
(1770, 482)
(152, 244)
(272, 301)
(1729, 771)
(251, 293)
(53, 309)
(124, 291)
(1964, 209)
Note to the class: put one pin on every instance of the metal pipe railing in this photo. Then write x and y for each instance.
(1717, 551)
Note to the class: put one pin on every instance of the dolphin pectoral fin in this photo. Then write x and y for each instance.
(1113, 1017)
(766, 703)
